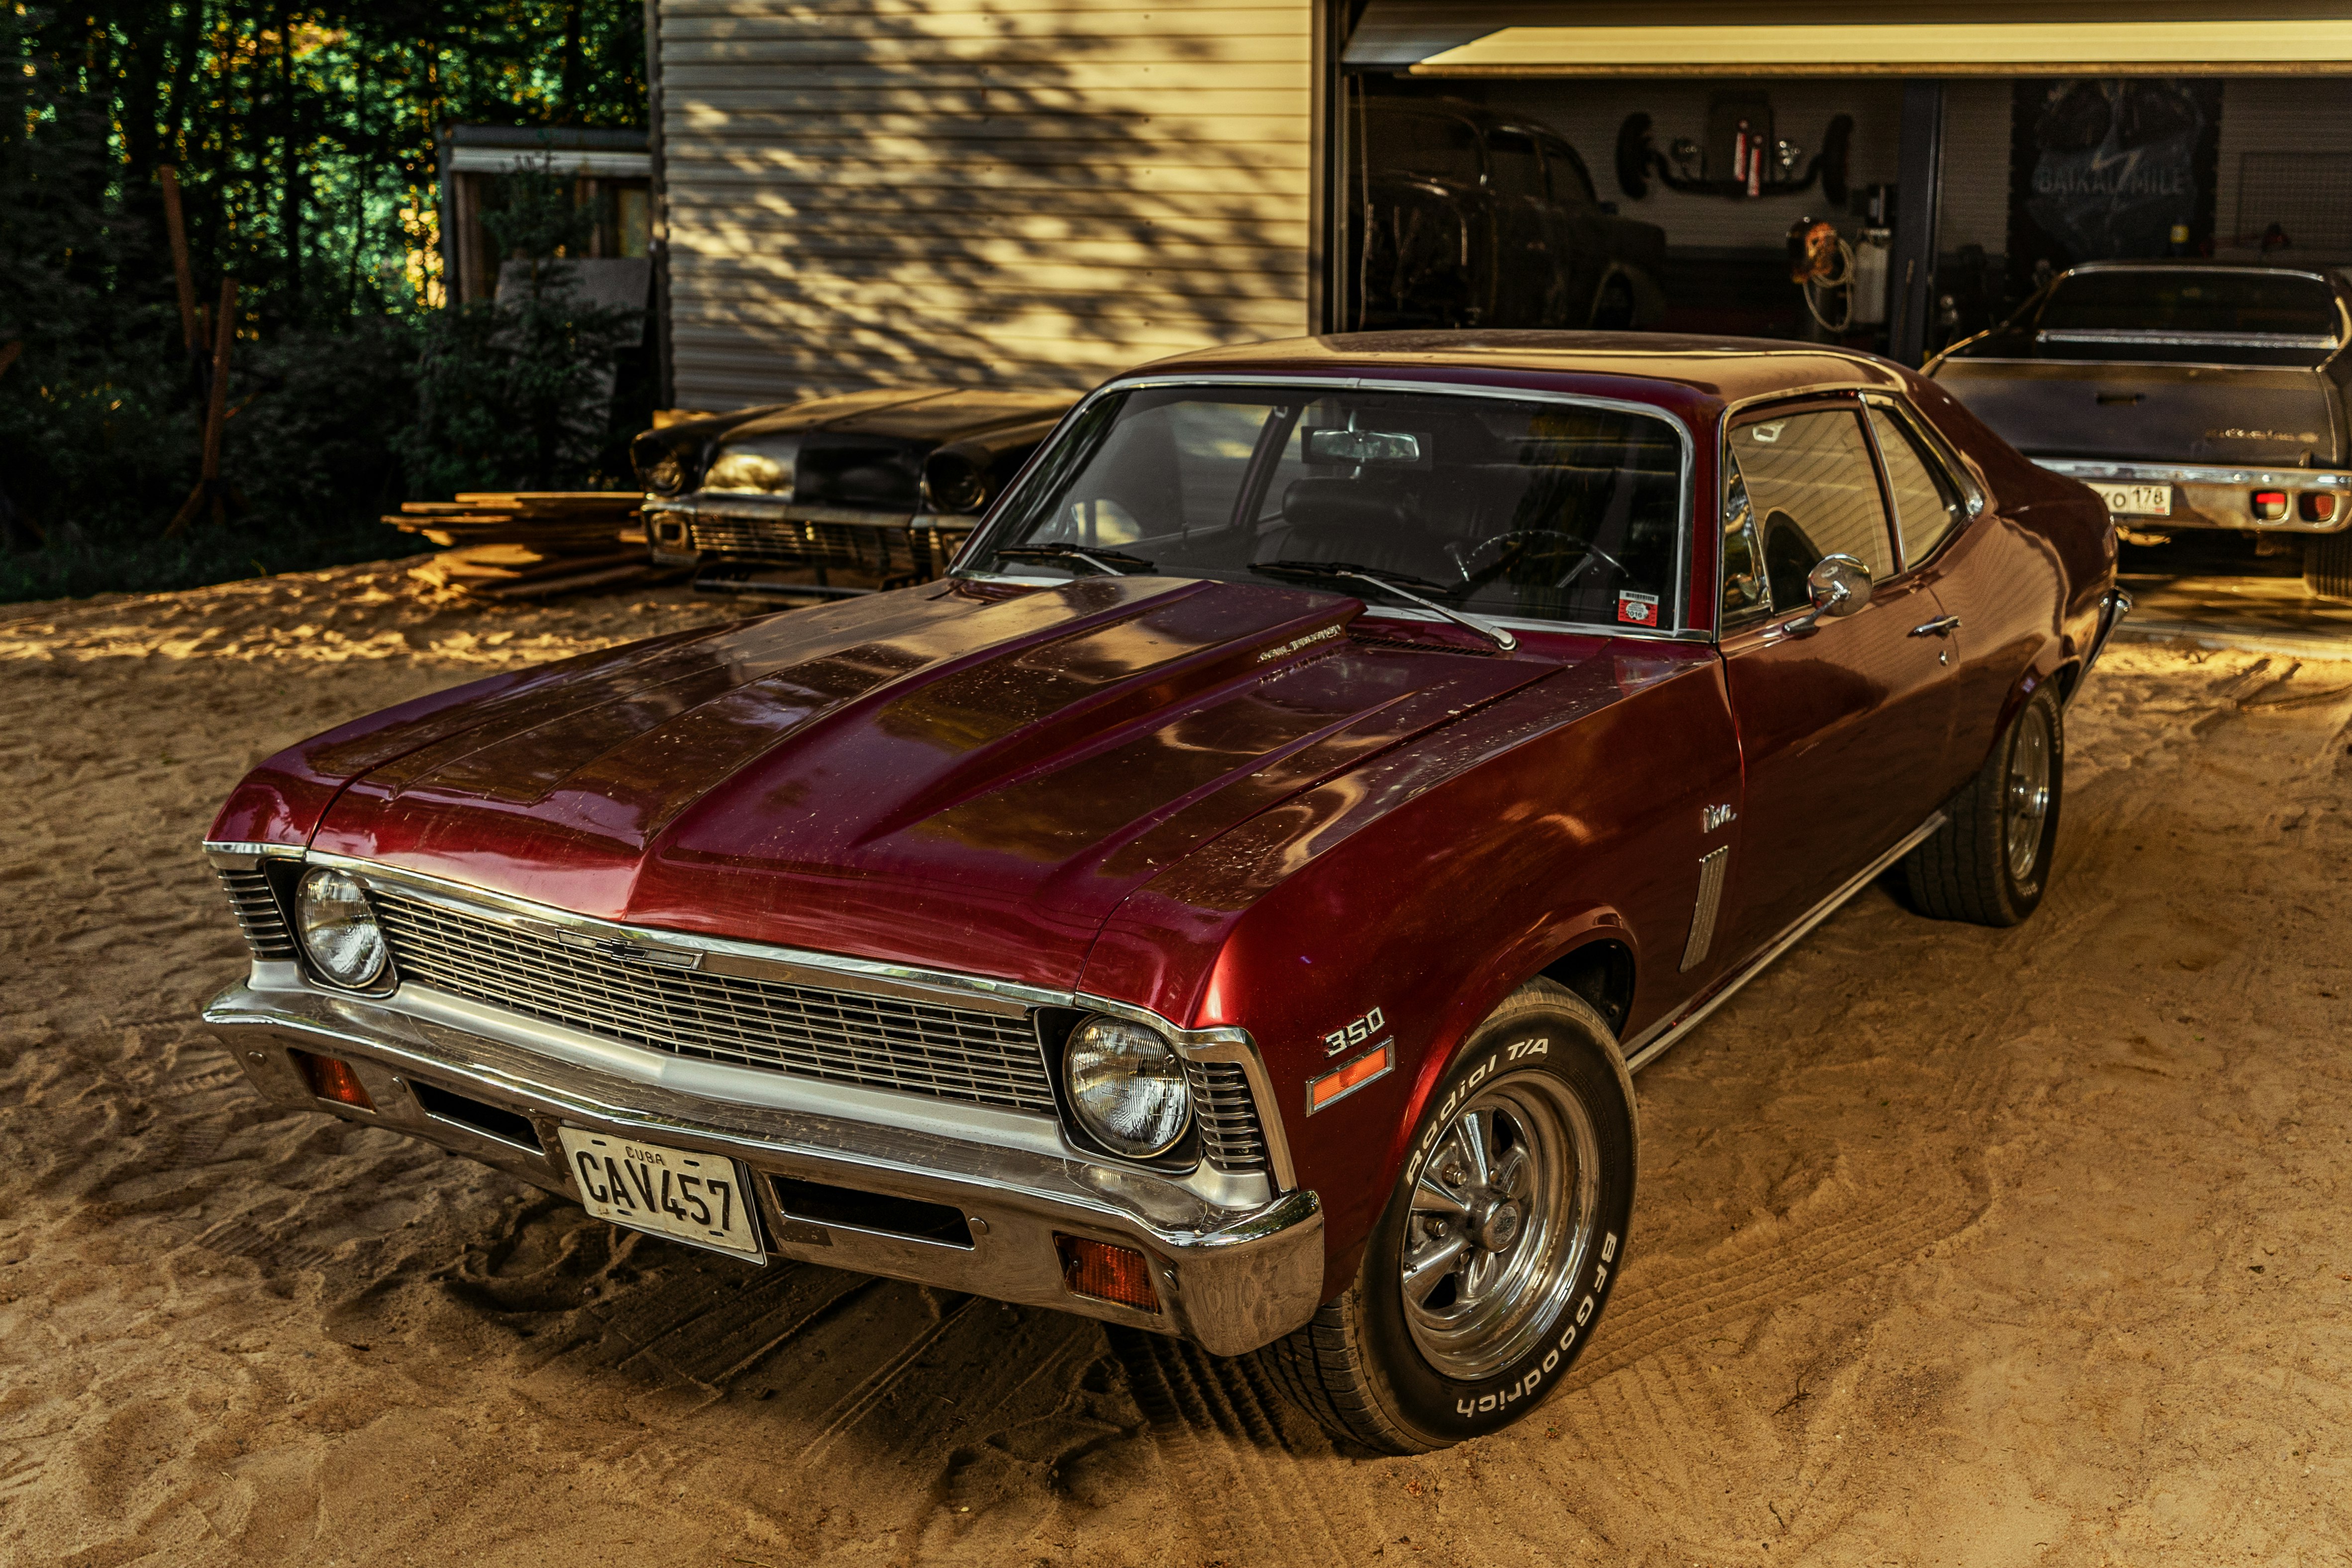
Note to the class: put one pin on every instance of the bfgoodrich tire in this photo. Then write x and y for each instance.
(1990, 863)
(2328, 565)
(1487, 1272)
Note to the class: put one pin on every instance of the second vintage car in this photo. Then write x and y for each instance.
(835, 497)
(2189, 395)
(1234, 903)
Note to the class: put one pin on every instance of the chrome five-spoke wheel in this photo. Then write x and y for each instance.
(2026, 799)
(1501, 1218)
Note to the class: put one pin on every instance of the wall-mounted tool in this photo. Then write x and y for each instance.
(1764, 164)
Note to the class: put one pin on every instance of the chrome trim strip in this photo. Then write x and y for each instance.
(2194, 473)
(1661, 1036)
(2114, 605)
(1703, 911)
(230, 855)
(2184, 339)
(1028, 477)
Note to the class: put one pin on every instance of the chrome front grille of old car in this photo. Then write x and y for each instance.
(257, 914)
(1231, 1138)
(852, 546)
(840, 1037)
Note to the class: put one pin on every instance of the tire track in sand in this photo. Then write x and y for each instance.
(1232, 1446)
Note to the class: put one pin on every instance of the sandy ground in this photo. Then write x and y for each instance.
(1954, 1245)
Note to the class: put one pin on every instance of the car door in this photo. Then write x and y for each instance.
(1995, 580)
(1844, 729)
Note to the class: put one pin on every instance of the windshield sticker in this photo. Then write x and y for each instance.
(1638, 609)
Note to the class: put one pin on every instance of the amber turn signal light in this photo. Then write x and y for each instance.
(1106, 1272)
(332, 1079)
(2269, 506)
(2318, 506)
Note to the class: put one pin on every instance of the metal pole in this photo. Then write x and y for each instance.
(1919, 193)
(657, 215)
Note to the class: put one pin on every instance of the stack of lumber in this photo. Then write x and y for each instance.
(516, 545)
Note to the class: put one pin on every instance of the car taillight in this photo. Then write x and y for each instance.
(2269, 506)
(2318, 506)
(332, 1079)
(1106, 1272)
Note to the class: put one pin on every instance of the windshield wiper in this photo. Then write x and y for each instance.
(1109, 562)
(1314, 571)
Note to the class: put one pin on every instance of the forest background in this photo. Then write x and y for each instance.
(305, 142)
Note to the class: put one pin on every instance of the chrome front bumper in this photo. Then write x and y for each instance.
(1229, 1279)
(2207, 495)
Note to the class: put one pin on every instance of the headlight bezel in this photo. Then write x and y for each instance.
(376, 975)
(1083, 1118)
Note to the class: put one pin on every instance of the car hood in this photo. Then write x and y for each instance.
(961, 778)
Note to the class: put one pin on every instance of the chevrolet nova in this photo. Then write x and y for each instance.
(1234, 902)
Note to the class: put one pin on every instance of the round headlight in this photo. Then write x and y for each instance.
(665, 475)
(338, 930)
(1127, 1086)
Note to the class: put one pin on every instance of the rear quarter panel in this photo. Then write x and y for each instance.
(2026, 576)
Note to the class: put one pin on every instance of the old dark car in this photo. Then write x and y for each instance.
(835, 497)
(1234, 902)
(2189, 395)
(1470, 218)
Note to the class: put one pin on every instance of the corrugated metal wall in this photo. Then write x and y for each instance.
(868, 192)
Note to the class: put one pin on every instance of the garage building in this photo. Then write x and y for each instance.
(1044, 191)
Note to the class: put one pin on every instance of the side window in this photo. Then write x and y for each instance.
(1437, 146)
(1570, 181)
(1512, 169)
(1927, 509)
(1814, 493)
(1746, 596)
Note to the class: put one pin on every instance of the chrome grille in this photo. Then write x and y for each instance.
(257, 914)
(841, 1036)
(1230, 1136)
(848, 545)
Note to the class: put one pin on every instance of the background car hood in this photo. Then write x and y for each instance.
(961, 778)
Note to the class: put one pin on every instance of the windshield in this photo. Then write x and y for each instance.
(1498, 507)
(2253, 308)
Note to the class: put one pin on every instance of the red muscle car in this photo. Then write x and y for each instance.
(1235, 901)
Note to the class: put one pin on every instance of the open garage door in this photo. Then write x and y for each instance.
(2021, 134)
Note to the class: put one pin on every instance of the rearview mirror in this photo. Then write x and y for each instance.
(1840, 584)
(1362, 447)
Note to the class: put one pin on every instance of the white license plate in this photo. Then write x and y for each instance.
(671, 1192)
(2138, 500)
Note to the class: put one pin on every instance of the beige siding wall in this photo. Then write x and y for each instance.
(1031, 192)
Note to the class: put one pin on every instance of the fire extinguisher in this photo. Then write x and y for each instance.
(1739, 154)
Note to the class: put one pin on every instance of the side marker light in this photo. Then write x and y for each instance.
(1106, 1272)
(1338, 1085)
(332, 1079)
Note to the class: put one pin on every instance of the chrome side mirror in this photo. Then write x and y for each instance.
(1840, 584)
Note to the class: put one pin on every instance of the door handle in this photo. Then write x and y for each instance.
(1943, 626)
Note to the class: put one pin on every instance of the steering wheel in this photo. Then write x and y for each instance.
(1584, 548)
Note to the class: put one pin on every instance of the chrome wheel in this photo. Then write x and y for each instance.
(1502, 1215)
(2026, 799)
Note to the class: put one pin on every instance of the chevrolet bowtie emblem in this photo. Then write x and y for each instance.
(622, 950)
